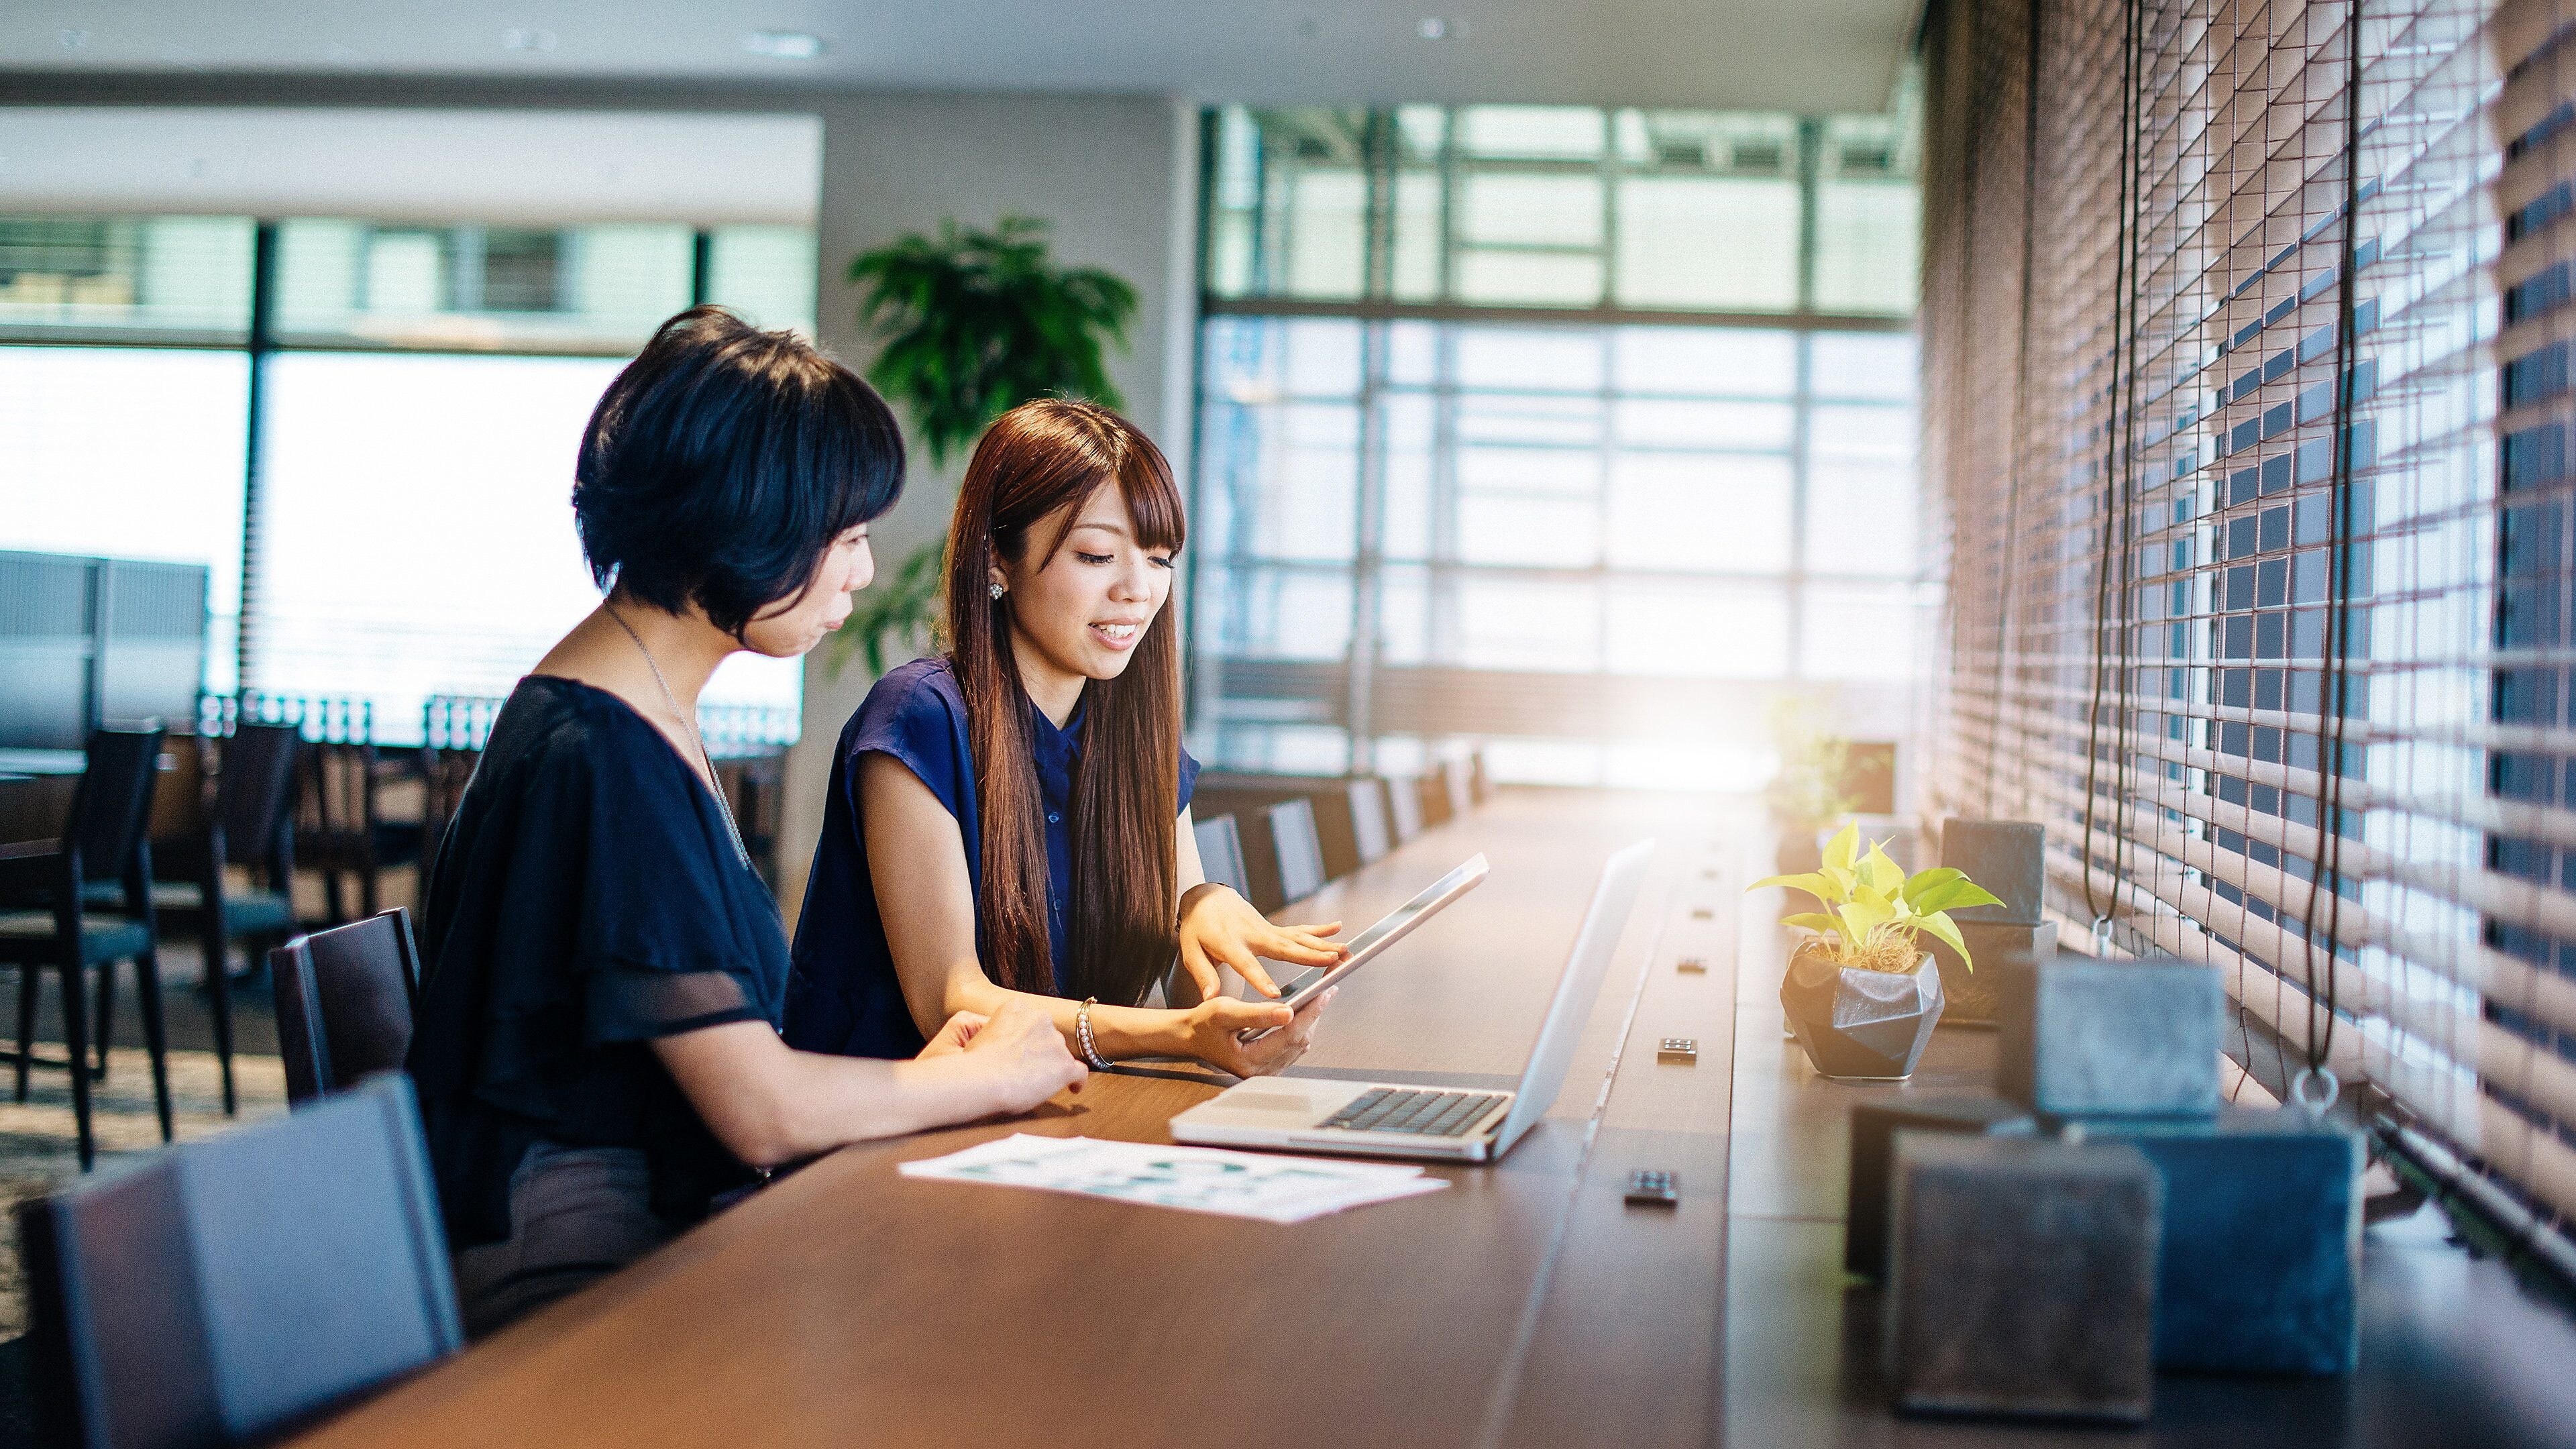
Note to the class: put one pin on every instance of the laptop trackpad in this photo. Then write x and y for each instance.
(1277, 1103)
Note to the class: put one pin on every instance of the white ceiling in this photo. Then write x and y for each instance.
(543, 167)
(1807, 55)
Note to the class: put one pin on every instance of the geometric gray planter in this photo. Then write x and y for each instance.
(1861, 1026)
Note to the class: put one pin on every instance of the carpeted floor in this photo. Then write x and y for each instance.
(38, 1148)
(38, 1151)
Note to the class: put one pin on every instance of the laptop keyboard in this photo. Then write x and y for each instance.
(1427, 1114)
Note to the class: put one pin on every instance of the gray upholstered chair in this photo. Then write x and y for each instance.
(243, 1285)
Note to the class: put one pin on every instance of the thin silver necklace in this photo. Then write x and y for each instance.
(697, 738)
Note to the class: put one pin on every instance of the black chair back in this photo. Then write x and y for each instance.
(1221, 854)
(1301, 857)
(1372, 836)
(1457, 782)
(344, 1002)
(1350, 814)
(113, 801)
(253, 789)
(1403, 806)
(243, 1284)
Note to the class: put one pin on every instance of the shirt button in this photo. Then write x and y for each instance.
(1053, 818)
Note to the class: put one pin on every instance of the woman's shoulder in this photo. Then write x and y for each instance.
(552, 726)
(916, 714)
(913, 698)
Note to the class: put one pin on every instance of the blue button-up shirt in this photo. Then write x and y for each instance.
(844, 995)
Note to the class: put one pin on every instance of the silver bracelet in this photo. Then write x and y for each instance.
(1082, 1033)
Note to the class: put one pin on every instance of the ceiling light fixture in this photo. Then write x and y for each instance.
(783, 44)
(1435, 28)
(521, 37)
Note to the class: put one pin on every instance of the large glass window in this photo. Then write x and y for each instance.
(1555, 480)
(405, 555)
(1564, 207)
(130, 452)
(422, 400)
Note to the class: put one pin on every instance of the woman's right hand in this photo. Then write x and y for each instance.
(1025, 1055)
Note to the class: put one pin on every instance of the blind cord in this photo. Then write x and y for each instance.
(2121, 325)
(2124, 766)
(2326, 876)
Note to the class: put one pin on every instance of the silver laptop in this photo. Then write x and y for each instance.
(1314, 1114)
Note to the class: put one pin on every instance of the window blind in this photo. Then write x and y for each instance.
(2246, 399)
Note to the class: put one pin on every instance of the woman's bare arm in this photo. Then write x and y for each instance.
(926, 898)
(770, 1104)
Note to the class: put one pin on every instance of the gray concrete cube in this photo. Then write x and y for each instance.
(1875, 1124)
(2086, 1039)
(2262, 1242)
(1999, 951)
(2022, 1277)
(2007, 857)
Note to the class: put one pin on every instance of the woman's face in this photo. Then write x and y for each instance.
(796, 626)
(1083, 611)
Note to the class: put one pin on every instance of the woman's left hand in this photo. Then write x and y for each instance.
(1220, 928)
(1216, 1026)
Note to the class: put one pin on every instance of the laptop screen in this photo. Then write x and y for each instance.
(1612, 900)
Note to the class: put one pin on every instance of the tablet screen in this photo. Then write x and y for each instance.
(1296, 991)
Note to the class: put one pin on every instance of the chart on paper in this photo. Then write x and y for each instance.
(1194, 1179)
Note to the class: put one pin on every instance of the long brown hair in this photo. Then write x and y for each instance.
(1037, 459)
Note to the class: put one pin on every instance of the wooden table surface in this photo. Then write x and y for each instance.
(1524, 1304)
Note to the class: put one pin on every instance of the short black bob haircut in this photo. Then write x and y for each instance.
(721, 464)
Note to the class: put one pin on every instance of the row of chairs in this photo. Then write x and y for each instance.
(100, 895)
(108, 889)
(145, 1337)
(1280, 838)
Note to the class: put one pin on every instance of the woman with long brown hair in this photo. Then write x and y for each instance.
(1011, 821)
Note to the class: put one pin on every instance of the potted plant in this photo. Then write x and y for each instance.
(978, 322)
(974, 324)
(1861, 994)
(1812, 786)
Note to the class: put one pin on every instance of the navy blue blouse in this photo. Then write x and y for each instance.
(587, 900)
(843, 995)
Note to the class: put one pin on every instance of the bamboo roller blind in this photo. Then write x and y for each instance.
(2247, 403)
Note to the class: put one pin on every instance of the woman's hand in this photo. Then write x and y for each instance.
(1220, 928)
(1019, 1048)
(1215, 1030)
(953, 1037)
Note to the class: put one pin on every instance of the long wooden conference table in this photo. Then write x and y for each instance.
(1524, 1304)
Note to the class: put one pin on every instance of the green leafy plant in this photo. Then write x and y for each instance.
(978, 322)
(1874, 910)
(902, 611)
(1813, 785)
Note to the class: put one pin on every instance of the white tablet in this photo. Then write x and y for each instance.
(1390, 928)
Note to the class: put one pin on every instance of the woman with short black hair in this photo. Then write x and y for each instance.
(597, 1044)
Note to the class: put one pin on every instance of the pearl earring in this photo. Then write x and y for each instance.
(997, 590)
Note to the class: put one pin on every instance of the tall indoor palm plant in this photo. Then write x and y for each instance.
(978, 322)
(975, 323)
